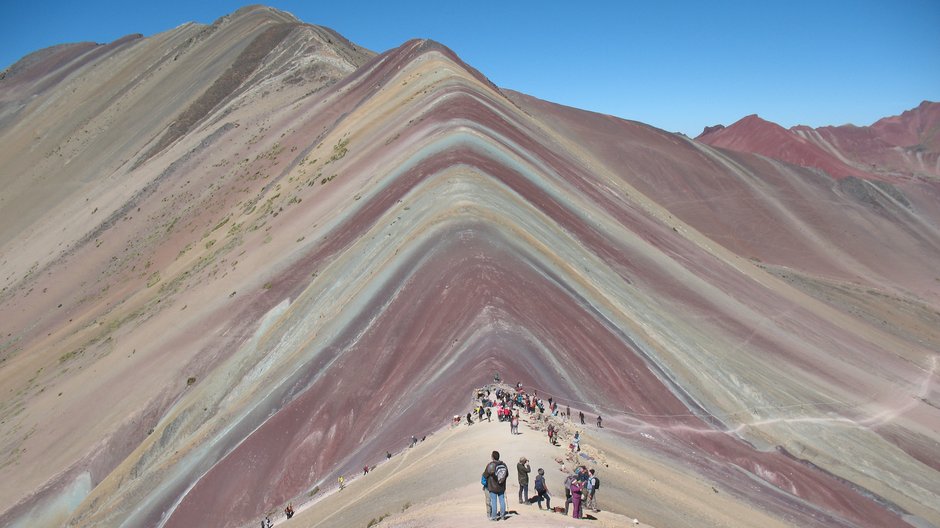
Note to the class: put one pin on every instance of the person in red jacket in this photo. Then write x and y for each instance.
(576, 499)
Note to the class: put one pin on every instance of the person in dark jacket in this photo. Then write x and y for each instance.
(496, 474)
(542, 490)
(523, 468)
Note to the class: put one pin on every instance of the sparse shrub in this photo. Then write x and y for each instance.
(339, 149)
(374, 522)
(190, 381)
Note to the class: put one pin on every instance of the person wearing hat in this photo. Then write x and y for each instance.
(523, 468)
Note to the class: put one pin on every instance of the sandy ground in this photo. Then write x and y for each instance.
(412, 490)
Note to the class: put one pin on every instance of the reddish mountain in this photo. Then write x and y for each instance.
(243, 260)
(897, 147)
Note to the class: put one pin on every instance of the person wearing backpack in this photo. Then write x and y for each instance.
(594, 484)
(496, 473)
(542, 490)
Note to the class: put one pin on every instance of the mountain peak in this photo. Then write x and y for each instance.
(258, 10)
(846, 150)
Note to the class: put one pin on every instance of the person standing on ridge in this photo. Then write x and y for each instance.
(523, 469)
(542, 490)
(594, 484)
(576, 499)
(568, 480)
(496, 473)
(599, 422)
(581, 414)
(486, 497)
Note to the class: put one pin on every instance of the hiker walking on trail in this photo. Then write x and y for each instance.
(266, 522)
(342, 482)
(599, 422)
(581, 414)
(496, 473)
(289, 510)
(594, 484)
(523, 468)
(577, 441)
(488, 414)
(542, 490)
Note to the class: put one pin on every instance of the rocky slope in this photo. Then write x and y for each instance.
(242, 259)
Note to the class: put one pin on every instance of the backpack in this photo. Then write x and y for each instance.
(539, 483)
(501, 473)
(596, 483)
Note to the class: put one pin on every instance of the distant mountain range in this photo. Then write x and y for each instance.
(240, 260)
(892, 149)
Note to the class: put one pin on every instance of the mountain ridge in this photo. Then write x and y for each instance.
(315, 270)
(902, 146)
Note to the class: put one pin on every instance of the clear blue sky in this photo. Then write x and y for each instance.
(675, 65)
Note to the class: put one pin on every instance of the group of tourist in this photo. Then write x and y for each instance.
(581, 491)
(580, 487)
(508, 404)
